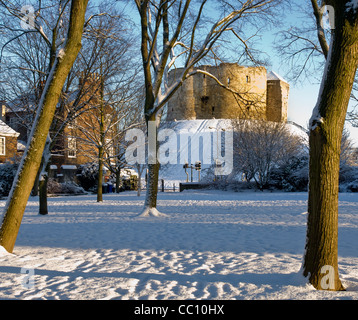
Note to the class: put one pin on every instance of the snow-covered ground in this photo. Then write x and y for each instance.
(211, 245)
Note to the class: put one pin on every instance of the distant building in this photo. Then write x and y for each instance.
(72, 147)
(261, 95)
(8, 143)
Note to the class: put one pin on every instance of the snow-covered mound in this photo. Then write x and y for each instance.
(175, 173)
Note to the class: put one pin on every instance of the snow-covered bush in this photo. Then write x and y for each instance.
(7, 175)
(54, 187)
(87, 176)
(291, 176)
(348, 179)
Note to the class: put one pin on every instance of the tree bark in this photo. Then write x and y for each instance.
(31, 160)
(150, 203)
(327, 122)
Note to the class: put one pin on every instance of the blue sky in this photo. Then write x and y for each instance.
(304, 94)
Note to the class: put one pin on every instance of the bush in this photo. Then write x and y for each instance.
(54, 187)
(87, 176)
(7, 176)
(291, 176)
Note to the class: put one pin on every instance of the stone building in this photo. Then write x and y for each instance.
(255, 95)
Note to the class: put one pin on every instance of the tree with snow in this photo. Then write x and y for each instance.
(27, 53)
(172, 31)
(31, 161)
(326, 126)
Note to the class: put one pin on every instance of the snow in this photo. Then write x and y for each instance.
(275, 76)
(7, 131)
(174, 173)
(61, 53)
(68, 167)
(210, 245)
(3, 252)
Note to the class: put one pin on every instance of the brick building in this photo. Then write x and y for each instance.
(8, 143)
(75, 144)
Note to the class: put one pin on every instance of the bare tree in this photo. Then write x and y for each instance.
(305, 47)
(260, 146)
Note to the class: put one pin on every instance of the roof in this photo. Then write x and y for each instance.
(6, 131)
(25, 103)
(275, 76)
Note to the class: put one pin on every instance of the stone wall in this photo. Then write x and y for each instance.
(200, 96)
(277, 100)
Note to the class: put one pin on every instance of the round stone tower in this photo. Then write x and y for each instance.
(201, 97)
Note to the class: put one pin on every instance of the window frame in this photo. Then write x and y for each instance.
(71, 151)
(3, 146)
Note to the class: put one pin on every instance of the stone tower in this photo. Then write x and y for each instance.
(200, 96)
(277, 98)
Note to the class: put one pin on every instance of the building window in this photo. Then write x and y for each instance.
(72, 147)
(2, 146)
(248, 80)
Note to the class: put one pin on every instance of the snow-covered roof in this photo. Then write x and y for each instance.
(24, 103)
(68, 167)
(6, 131)
(21, 145)
(275, 76)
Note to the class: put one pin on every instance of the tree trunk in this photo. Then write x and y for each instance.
(139, 183)
(31, 160)
(327, 122)
(43, 177)
(118, 179)
(152, 188)
(150, 203)
(35, 188)
(100, 175)
(102, 141)
(43, 210)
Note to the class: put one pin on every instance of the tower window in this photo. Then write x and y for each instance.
(248, 80)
